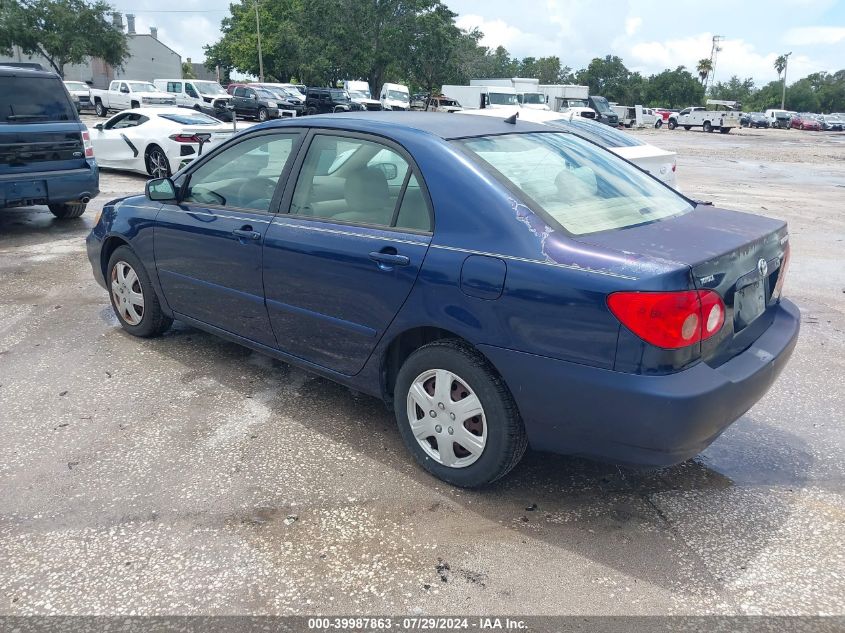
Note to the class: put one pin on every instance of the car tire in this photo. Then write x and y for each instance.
(311, 111)
(707, 127)
(725, 130)
(156, 162)
(496, 435)
(262, 114)
(134, 104)
(687, 127)
(68, 210)
(658, 124)
(672, 124)
(150, 320)
(101, 110)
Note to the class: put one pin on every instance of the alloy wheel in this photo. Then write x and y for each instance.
(127, 294)
(157, 164)
(447, 418)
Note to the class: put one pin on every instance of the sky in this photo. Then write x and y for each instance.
(649, 35)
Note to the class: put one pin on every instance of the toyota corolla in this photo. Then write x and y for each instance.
(498, 283)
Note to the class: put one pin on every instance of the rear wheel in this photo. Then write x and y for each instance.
(157, 164)
(707, 127)
(725, 130)
(672, 124)
(68, 210)
(100, 109)
(133, 298)
(658, 124)
(456, 415)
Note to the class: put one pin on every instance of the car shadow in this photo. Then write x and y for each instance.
(617, 517)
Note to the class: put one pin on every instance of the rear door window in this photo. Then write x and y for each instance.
(34, 100)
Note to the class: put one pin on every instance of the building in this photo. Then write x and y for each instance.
(201, 72)
(149, 59)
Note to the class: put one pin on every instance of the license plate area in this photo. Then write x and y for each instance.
(749, 303)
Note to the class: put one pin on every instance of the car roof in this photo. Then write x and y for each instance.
(443, 124)
(160, 110)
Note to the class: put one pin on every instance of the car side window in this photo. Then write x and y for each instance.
(124, 88)
(174, 86)
(355, 180)
(239, 92)
(189, 90)
(413, 212)
(123, 121)
(244, 175)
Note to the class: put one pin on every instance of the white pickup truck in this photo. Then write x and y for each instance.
(123, 95)
(718, 115)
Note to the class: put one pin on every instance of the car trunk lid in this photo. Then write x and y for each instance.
(739, 255)
(28, 147)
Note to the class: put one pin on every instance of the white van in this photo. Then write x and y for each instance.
(205, 96)
(395, 97)
(477, 97)
(359, 92)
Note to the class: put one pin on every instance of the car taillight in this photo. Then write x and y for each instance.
(670, 319)
(86, 144)
(185, 138)
(784, 266)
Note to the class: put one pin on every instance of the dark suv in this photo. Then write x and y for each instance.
(256, 103)
(46, 155)
(324, 100)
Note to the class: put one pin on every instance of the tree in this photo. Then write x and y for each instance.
(674, 89)
(735, 89)
(62, 31)
(704, 68)
(188, 71)
(780, 64)
(801, 97)
(432, 56)
(605, 76)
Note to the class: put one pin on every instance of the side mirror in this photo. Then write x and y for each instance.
(99, 126)
(388, 169)
(254, 97)
(160, 189)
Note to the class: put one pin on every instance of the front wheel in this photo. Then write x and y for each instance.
(133, 298)
(707, 127)
(262, 114)
(457, 416)
(101, 110)
(67, 210)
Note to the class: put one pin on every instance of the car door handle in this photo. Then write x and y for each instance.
(247, 233)
(389, 259)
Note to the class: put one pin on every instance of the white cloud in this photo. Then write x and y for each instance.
(632, 25)
(497, 32)
(813, 35)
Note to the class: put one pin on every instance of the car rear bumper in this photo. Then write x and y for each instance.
(49, 187)
(636, 419)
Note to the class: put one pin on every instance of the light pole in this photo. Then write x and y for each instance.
(783, 93)
(260, 58)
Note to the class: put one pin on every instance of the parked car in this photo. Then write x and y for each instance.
(718, 115)
(124, 95)
(208, 97)
(395, 97)
(832, 123)
(499, 284)
(660, 163)
(754, 119)
(255, 103)
(326, 100)
(805, 121)
(157, 142)
(440, 103)
(782, 120)
(418, 100)
(663, 113)
(82, 93)
(359, 92)
(46, 155)
(288, 99)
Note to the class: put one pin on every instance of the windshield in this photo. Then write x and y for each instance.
(138, 86)
(397, 95)
(533, 97)
(76, 85)
(598, 133)
(190, 118)
(584, 188)
(265, 94)
(209, 88)
(501, 98)
(34, 100)
(576, 103)
(358, 94)
(339, 95)
(601, 104)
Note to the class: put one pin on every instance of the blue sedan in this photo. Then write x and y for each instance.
(498, 283)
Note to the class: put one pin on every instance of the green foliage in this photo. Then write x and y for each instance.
(188, 71)
(62, 31)
(704, 68)
(674, 89)
(735, 89)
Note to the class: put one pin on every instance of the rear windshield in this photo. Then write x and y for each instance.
(34, 100)
(598, 133)
(190, 119)
(582, 187)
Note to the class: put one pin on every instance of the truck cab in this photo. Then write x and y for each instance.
(395, 97)
(604, 112)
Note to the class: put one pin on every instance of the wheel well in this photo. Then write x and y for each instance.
(110, 245)
(403, 346)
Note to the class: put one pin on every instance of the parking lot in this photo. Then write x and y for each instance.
(189, 475)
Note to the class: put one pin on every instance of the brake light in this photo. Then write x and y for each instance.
(784, 266)
(86, 144)
(670, 319)
(185, 138)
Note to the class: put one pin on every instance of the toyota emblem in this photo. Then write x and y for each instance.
(762, 267)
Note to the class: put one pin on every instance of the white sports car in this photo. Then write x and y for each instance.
(658, 162)
(156, 141)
